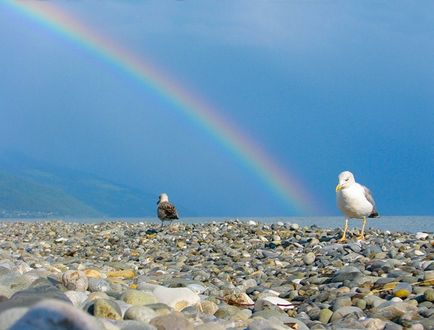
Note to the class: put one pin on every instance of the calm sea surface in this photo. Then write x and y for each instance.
(392, 223)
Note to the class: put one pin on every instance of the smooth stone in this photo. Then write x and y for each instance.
(95, 295)
(140, 313)
(374, 324)
(428, 323)
(144, 286)
(354, 247)
(309, 258)
(264, 324)
(421, 235)
(226, 312)
(49, 314)
(126, 325)
(216, 325)
(347, 273)
(124, 274)
(137, 297)
(341, 302)
(314, 313)
(374, 301)
(76, 297)
(294, 226)
(349, 322)
(160, 309)
(402, 290)
(175, 320)
(10, 316)
(93, 273)
(208, 307)
(242, 315)
(325, 315)
(239, 299)
(274, 301)
(177, 298)
(392, 326)
(429, 295)
(361, 303)
(98, 285)
(293, 322)
(106, 308)
(275, 313)
(344, 311)
(6, 291)
(249, 283)
(123, 306)
(75, 280)
(428, 275)
(395, 311)
(31, 296)
(196, 288)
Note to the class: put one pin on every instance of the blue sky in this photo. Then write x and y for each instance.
(322, 86)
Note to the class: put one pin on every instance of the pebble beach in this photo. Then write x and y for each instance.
(213, 276)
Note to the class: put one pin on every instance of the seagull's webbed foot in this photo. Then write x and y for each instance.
(343, 239)
(361, 237)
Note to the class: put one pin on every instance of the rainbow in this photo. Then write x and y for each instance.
(283, 185)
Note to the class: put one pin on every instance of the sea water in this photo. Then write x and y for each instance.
(392, 223)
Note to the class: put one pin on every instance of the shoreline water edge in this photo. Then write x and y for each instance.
(214, 275)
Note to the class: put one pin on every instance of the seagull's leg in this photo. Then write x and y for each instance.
(362, 234)
(344, 235)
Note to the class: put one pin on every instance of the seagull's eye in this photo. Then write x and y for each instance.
(347, 179)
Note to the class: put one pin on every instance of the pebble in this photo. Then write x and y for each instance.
(396, 311)
(402, 290)
(229, 275)
(11, 316)
(76, 297)
(208, 307)
(177, 298)
(309, 258)
(140, 313)
(429, 295)
(325, 315)
(75, 280)
(49, 314)
(137, 297)
(344, 311)
(175, 320)
(98, 285)
(107, 309)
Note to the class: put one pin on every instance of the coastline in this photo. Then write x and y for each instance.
(407, 223)
(215, 275)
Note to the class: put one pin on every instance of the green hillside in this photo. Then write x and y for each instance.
(30, 188)
(23, 198)
(107, 198)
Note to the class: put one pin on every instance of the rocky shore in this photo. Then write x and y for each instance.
(231, 275)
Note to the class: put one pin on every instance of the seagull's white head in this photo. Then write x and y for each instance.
(163, 198)
(346, 179)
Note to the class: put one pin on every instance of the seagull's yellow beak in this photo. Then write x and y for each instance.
(338, 187)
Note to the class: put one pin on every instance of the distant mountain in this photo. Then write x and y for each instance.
(32, 189)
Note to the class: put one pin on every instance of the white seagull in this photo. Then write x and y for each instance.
(355, 201)
(166, 211)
